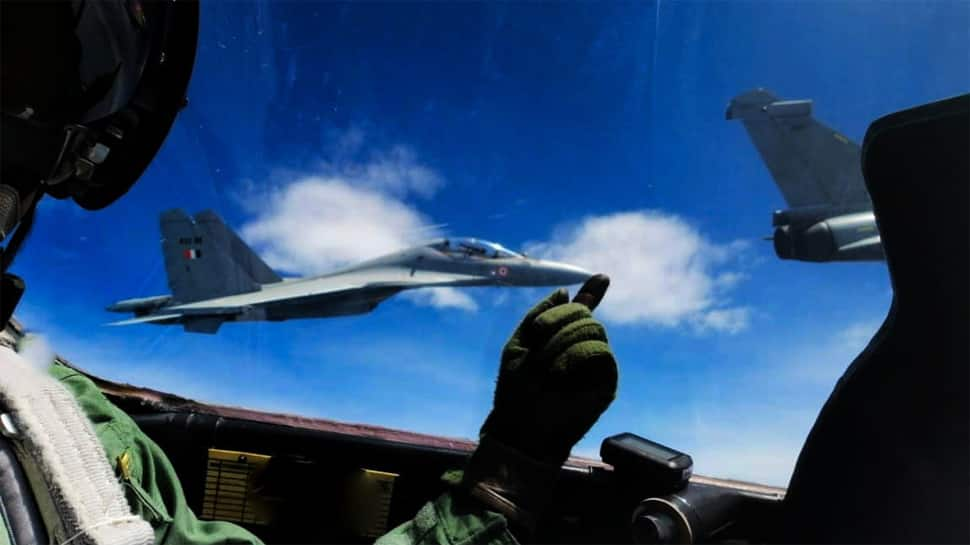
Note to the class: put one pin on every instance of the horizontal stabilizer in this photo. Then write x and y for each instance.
(147, 319)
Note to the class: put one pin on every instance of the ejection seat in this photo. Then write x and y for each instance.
(888, 459)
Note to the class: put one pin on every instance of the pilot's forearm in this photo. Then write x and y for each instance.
(449, 519)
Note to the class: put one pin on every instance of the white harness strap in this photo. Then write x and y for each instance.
(56, 438)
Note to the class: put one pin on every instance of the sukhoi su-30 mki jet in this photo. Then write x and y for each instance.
(819, 172)
(216, 278)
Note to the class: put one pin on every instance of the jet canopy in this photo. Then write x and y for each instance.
(473, 247)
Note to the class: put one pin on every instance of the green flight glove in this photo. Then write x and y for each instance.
(557, 376)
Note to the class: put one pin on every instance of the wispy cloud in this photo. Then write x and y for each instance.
(727, 320)
(395, 170)
(347, 212)
(315, 224)
(664, 272)
(441, 298)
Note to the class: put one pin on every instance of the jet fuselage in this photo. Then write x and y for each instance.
(216, 278)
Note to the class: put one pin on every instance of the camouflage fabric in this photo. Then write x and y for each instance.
(151, 485)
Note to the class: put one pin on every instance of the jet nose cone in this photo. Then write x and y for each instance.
(563, 274)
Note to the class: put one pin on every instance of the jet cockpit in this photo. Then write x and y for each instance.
(473, 247)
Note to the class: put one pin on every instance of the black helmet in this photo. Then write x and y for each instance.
(90, 89)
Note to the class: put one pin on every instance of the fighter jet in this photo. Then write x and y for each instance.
(820, 176)
(216, 278)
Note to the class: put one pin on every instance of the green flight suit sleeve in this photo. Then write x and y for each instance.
(451, 520)
(151, 486)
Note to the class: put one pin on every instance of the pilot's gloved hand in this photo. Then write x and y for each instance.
(557, 376)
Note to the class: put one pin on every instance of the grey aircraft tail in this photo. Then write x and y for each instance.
(812, 164)
(205, 259)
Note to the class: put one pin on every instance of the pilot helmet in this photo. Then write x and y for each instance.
(89, 93)
(89, 90)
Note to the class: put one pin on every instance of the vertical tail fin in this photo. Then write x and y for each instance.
(198, 259)
(235, 248)
(811, 163)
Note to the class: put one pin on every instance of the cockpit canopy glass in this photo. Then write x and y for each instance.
(473, 247)
(620, 137)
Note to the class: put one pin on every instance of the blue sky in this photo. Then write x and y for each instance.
(595, 132)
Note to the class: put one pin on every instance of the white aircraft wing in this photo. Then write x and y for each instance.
(344, 283)
(147, 319)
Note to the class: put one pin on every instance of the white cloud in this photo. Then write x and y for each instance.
(348, 213)
(315, 224)
(396, 170)
(663, 271)
(441, 298)
(729, 279)
(728, 320)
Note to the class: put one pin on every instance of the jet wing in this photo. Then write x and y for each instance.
(147, 319)
(811, 163)
(344, 283)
